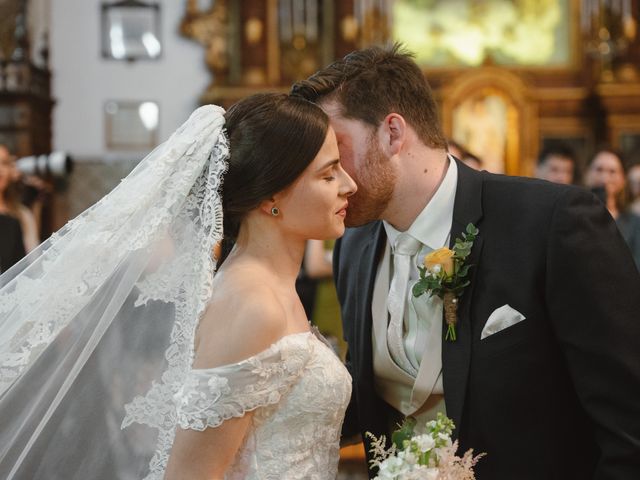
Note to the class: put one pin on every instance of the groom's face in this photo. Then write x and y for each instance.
(363, 159)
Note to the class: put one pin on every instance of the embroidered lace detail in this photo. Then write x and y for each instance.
(298, 390)
(209, 397)
(176, 282)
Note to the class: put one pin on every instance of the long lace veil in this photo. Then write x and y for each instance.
(103, 315)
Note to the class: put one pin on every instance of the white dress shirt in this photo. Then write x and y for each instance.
(422, 332)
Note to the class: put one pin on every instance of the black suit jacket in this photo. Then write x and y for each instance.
(554, 396)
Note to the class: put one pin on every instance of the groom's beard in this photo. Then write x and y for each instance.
(376, 181)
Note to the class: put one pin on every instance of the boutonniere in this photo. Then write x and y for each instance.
(445, 274)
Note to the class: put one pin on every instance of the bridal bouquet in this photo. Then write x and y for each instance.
(422, 454)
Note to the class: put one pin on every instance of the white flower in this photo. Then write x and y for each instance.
(392, 468)
(408, 456)
(218, 386)
(421, 472)
(446, 438)
(424, 442)
(426, 473)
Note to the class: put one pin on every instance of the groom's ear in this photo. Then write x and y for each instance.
(394, 130)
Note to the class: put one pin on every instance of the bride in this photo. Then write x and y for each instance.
(117, 323)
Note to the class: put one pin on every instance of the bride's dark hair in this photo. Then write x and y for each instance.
(273, 137)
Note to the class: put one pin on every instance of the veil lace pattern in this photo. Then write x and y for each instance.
(148, 242)
(186, 282)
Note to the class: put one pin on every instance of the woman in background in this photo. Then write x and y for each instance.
(10, 200)
(606, 170)
(11, 237)
(633, 180)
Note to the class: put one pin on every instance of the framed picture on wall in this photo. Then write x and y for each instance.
(481, 122)
(131, 30)
(131, 126)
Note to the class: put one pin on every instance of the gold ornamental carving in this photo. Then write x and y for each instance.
(210, 28)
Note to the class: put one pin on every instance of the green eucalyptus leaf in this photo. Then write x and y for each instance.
(463, 271)
(405, 432)
(418, 289)
(423, 271)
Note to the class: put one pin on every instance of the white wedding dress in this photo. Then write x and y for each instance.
(299, 390)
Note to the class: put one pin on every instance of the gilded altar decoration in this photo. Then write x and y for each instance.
(210, 28)
(445, 275)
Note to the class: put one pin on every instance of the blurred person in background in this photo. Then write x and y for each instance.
(306, 286)
(464, 155)
(456, 149)
(10, 203)
(470, 160)
(11, 242)
(11, 246)
(325, 311)
(606, 177)
(557, 164)
(633, 179)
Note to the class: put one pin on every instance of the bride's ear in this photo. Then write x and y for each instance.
(269, 207)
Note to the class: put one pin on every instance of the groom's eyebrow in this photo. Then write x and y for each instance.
(328, 164)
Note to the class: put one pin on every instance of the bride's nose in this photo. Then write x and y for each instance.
(349, 187)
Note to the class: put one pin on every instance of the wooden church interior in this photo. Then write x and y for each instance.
(511, 77)
(509, 81)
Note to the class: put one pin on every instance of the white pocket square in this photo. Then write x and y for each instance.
(501, 318)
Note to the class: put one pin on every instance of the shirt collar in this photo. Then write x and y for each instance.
(433, 225)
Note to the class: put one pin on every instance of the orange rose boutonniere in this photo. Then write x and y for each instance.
(445, 275)
(441, 259)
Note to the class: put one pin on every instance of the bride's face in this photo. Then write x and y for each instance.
(315, 205)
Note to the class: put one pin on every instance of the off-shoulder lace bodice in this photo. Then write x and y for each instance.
(299, 390)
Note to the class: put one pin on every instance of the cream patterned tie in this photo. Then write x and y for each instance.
(404, 249)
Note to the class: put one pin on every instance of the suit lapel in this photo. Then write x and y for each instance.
(366, 269)
(456, 356)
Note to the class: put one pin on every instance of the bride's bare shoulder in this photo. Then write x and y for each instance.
(244, 317)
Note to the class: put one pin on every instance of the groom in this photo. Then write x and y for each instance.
(544, 375)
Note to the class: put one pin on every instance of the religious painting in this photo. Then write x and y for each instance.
(483, 123)
(455, 33)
